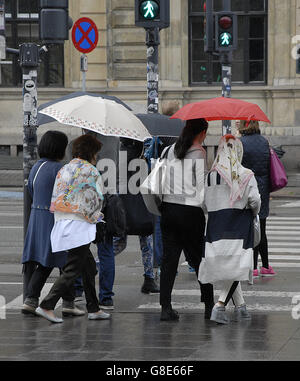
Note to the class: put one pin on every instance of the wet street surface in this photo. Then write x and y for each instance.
(135, 332)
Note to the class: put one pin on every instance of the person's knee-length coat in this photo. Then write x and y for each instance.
(256, 157)
(37, 246)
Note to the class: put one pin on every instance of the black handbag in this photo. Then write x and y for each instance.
(138, 220)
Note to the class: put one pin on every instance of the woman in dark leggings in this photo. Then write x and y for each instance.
(182, 218)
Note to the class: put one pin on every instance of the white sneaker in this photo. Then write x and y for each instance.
(100, 315)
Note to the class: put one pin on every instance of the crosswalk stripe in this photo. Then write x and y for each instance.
(263, 294)
(285, 233)
(283, 219)
(198, 306)
(285, 257)
(16, 304)
(281, 227)
(284, 264)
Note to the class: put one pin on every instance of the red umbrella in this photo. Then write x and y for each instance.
(221, 109)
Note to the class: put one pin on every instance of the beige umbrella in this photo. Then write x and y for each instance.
(100, 115)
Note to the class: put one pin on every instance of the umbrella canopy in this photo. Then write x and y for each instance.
(103, 116)
(44, 119)
(161, 125)
(221, 109)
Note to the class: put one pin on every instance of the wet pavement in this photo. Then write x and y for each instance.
(135, 332)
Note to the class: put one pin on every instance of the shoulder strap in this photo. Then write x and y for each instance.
(37, 172)
(208, 179)
(165, 155)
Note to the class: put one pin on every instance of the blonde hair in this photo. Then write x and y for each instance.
(170, 107)
(252, 128)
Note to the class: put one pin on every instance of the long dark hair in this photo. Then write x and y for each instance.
(192, 128)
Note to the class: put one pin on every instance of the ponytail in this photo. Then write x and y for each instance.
(192, 128)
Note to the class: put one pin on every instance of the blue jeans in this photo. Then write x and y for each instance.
(120, 243)
(106, 269)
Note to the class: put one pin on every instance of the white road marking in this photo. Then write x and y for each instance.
(262, 294)
(200, 306)
(283, 219)
(11, 227)
(16, 304)
(295, 204)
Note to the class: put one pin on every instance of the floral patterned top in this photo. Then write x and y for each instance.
(78, 190)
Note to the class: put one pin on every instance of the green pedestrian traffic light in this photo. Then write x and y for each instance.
(226, 31)
(225, 39)
(149, 10)
(152, 13)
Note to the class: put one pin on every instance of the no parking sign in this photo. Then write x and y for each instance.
(85, 39)
(85, 35)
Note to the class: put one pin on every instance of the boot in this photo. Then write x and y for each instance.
(167, 314)
(149, 286)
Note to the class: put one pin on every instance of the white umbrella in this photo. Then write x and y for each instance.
(100, 115)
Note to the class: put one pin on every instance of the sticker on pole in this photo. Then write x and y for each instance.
(85, 35)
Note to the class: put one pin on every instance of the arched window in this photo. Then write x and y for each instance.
(249, 64)
(22, 25)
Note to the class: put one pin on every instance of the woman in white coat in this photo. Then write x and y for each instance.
(232, 201)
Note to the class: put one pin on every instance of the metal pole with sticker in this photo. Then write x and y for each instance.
(152, 42)
(83, 69)
(29, 62)
(2, 31)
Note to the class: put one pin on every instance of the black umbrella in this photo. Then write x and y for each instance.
(160, 125)
(44, 119)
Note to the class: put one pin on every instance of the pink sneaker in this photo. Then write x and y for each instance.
(255, 274)
(267, 272)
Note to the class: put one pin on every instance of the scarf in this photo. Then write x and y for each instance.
(228, 165)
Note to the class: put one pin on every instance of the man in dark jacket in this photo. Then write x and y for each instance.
(257, 158)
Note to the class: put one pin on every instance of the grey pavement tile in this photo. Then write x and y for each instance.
(291, 351)
(215, 355)
(150, 354)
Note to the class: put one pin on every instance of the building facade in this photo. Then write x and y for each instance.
(264, 66)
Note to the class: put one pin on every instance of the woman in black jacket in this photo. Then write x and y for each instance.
(257, 158)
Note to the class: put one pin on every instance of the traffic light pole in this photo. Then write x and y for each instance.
(29, 55)
(29, 62)
(152, 42)
(226, 62)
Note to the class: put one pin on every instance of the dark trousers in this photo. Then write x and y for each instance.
(182, 228)
(27, 271)
(38, 280)
(262, 248)
(80, 261)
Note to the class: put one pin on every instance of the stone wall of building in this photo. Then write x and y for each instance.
(118, 67)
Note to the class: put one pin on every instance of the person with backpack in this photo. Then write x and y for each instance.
(182, 217)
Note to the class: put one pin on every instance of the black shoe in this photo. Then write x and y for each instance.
(207, 311)
(169, 314)
(107, 304)
(149, 286)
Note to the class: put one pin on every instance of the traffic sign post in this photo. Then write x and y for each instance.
(85, 39)
(2, 31)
